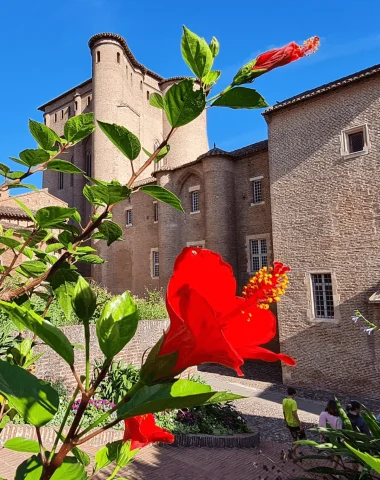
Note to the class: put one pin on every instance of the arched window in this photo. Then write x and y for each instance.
(118, 57)
(98, 56)
(88, 100)
(76, 106)
(88, 163)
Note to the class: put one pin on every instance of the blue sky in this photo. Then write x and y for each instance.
(45, 51)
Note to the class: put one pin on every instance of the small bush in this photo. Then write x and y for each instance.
(119, 380)
(151, 306)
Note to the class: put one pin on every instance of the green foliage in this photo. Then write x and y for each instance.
(84, 300)
(79, 127)
(120, 378)
(163, 195)
(183, 103)
(110, 231)
(20, 444)
(63, 166)
(33, 399)
(214, 46)
(108, 194)
(117, 324)
(196, 53)
(32, 158)
(49, 217)
(122, 138)
(240, 97)
(151, 306)
(161, 154)
(157, 101)
(44, 136)
(63, 283)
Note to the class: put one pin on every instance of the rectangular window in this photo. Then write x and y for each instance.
(60, 180)
(155, 264)
(62, 114)
(155, 206)
(257, 191)
(69, 111)
(322, 295)
(55, 118)
(128, 217)
(355, 141)
(195, 201)
(259, 254)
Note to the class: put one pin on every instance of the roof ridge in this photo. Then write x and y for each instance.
(340, 82)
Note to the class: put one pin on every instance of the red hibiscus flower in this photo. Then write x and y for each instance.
(209, 323)
(279, 57)
(142, 430)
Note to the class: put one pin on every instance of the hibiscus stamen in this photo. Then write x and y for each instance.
(310, 46)
(268, 285)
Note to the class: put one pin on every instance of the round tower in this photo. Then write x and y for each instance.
(189, 141)
(109, 81)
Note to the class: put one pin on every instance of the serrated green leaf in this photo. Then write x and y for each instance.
(47, 332)
(53, 247)
(44, 136)
(156, 100)
(163, 195)
(117, 324)
(26, 209)
(63, 282)
(211, 78)
(122, 138)
(79, 127)
(240, 97)
(180, 394)
(161, 154)
(196, 53)
(34, 157)
(33, 399)
(63, 166)
(111, 231)
(91, 259)
(106, 194)
(50, 216)
(183, 104)
(33, 268)
(20, 444)
(9, 242)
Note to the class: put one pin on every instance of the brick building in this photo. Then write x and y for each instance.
(308, 194)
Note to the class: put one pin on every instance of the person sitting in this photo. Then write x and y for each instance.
(357, 422)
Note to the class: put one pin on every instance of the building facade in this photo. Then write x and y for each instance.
(308, 197)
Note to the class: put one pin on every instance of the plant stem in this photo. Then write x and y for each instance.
(87, 351)
(62, 426)
(42, 450)
(220, 94)
(78, 380)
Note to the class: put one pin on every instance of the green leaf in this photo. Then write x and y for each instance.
(33, 399)
(183, 104)
(30, 469)
(122, 138)
(111, 231)
(81, 456)
(44, 136)
(33, 269)
(163, 195)
(63, 283)
(53, 247)
(211, 78)
(156, 100)
(20, 444)
(196, 53)
(343, 415)
(47, 332)
(106, 194)
(35, 157)
(161, 154)
(214, 46)
(15, 175)
(14, 159)
(9, 242)
(84, 300)
(240, 97)
(24, 185)
(4, 421)
(180, 394)
(26, 210)
(107, 454)
(117, 324)
(79, 127)
(90, 259)
(4, 169)
(373, 462)
(50, 216)
(63, 166)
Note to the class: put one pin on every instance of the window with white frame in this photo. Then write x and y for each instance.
(323, 301)
(197, 244)
(259, 254)
(155, 212)
(128, 216)
(60, 180)
(257, 190)
(155, 263)
(355, 141)
(195, 201)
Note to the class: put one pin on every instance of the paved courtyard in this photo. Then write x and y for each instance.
(262, 409)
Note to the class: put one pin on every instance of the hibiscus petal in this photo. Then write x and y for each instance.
(260, 353)
(206, 272)
(204, 340)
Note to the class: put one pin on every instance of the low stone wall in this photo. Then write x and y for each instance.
(51, 366)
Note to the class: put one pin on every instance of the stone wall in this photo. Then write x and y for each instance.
(51, 367)
(325, 218)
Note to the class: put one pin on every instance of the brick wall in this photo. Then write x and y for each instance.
(51, 367)
(325, 217)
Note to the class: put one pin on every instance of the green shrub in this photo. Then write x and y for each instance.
(119, 380)
(151, 306)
